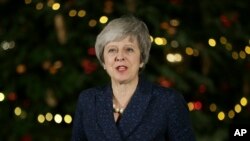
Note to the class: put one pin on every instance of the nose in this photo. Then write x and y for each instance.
(119, 57)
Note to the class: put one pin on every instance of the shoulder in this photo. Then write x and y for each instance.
(90, 93)
(167, 95)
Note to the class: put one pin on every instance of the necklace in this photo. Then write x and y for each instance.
(118, 110)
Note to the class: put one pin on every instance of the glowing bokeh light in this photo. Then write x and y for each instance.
(221, 115)
(56, 6)
(2, 97)
(213, 107)
(18, 111)
(243, 101)
(103, 19)
(67, 119)
(48, 116)
(237, 108)
(40, 118)
(212, 42)
(58, 118)
(231, 114)
(81, 13)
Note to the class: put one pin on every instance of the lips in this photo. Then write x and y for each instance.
(121, 68)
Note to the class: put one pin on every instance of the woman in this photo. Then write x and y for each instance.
(130, 108)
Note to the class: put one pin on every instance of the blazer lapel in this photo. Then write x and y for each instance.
(136, 108)
(105, 115)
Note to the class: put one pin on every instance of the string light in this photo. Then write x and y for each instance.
(213, 107)
(160, 41)
(1, 97)
(58, 118)
(40, 118)
(243, 101)
(237, 108)
(18, 111)
(92, 23)
(81, 13)
(231, 114)
(189, 51)
(39, 6)
(48, 116)
(247, 49)
(174, 58)
(103, 19)
(72, 13)
(56, 6)
(221, 115)
(67, 119)
(211, 42)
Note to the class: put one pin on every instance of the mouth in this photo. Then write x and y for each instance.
(121, 68)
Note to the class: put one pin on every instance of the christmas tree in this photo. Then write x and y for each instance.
(199, 47)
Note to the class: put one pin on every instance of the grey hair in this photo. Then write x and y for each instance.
(121, 28)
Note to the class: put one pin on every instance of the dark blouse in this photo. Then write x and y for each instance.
(154, 113)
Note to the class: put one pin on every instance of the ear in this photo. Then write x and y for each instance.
(141, 65)
(104, 67)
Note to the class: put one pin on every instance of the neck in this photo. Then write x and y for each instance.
(122, 92)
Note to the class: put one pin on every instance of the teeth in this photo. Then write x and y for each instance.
(120, 68)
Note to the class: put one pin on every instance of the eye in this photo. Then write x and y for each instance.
(130, 49)
(111, 50)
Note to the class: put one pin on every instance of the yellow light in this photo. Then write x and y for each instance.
(243, 101)
(158, 41)
(170, 57)
(221, 116)
(213, 107)
(103, 19)
(237, 108)
(235, 55)
(190, 106)
(40, 118)
(92, 23)
(58, 118)
(178, 57)
(228, 46)
(212, 42)
(152, 39)
(67, 119)
(28, 1)
(49, 116)
(81, 13)
(39, 6)
(56, 6)
(72, 13)
(231, 114)
(1, 97)
(18, 111)
(223, 40)
(175, 22)
(164, 41)
(247, 49)
(242, 55)
(189, 51)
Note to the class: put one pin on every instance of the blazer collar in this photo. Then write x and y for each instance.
(105, 117)
(132, 115)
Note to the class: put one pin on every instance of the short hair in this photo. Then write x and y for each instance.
(121, 28)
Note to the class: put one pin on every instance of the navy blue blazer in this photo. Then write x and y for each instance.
(154, 113)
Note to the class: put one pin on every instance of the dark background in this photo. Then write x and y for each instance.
(47, 58)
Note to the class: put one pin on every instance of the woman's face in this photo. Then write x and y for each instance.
(122, 60)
